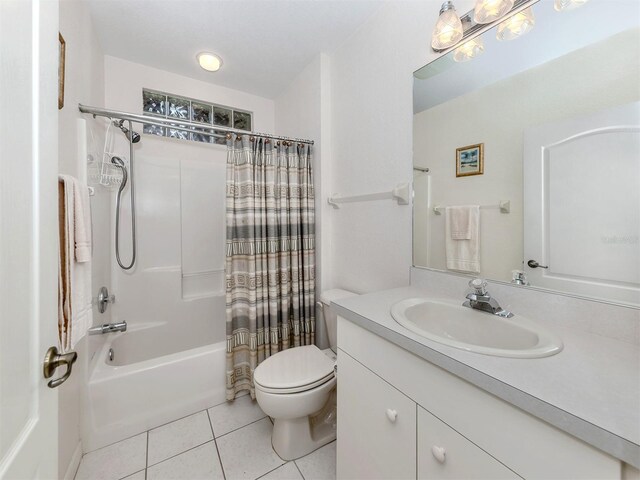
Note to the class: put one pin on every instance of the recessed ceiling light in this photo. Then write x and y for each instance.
(209, 61)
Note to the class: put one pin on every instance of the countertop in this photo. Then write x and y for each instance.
(591, 389)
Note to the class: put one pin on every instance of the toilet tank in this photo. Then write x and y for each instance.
(330, 317)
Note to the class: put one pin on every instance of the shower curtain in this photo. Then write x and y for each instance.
(270, 261)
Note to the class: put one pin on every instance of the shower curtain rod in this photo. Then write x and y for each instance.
(180, 124)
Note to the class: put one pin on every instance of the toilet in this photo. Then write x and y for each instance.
(296, 388)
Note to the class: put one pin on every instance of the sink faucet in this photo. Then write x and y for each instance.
(481, 300)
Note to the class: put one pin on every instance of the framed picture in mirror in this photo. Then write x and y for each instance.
(470, 160)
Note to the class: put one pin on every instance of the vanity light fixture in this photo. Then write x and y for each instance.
(448, 30)
(516, 26)
(469, 50)
(565, 5)
(209, 61)
(487, 11)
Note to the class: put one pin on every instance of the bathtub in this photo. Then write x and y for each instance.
(160, 372)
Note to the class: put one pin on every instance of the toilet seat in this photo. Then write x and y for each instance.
(294, 370)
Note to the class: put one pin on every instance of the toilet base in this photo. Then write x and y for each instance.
(297, 437)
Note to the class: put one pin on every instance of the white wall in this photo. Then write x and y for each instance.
(372, 117)
(83, 84)
(180, 204)
(498, 115)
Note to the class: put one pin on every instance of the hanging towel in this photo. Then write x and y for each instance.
(459, 219)
(74, 268)
(462, 238)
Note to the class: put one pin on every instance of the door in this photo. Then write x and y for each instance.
(376, 426)
(28, 236)
(582, 205)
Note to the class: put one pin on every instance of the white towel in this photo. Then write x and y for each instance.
(459, 219)
(74, 267)
(462, 238)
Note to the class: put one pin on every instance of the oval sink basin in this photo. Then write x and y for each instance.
(474, 330)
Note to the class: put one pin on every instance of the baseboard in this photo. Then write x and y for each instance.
(74, 463)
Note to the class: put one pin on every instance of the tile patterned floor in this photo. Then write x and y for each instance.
(231, 441)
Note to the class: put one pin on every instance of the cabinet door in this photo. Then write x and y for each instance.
(445, 454)
(376, 426)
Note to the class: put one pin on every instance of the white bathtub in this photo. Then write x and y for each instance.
(160, 372)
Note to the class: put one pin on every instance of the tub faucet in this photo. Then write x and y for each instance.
(108, 328)
(481, 300)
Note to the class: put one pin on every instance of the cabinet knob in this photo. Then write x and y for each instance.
(438, 453)
(392, 415)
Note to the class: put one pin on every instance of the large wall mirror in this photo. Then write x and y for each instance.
(542, 134)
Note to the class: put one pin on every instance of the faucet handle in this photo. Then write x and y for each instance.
(479, 285)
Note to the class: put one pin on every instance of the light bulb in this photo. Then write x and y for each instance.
(209, 61)
(565, 5)
(516, 25)
(468, 50)
(487, 11)
(448, 30)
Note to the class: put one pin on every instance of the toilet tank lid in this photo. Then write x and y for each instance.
(329, 296)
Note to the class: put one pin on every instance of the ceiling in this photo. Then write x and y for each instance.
(264, 44)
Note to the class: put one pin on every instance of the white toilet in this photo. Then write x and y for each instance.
(296, 387)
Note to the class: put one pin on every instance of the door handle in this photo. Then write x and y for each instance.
(534, 264)
(52, 360)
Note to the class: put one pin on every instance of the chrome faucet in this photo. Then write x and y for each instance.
(481, 300)
(108, 328)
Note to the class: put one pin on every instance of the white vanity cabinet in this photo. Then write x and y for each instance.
(372, 409)
(476, 435)
(445, 454)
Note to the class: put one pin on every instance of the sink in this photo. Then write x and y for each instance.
(475, 331)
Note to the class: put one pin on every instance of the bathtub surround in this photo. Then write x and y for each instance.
(270, 265)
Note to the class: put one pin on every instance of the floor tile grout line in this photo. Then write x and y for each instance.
(114, 443)
(178, 454)
(224, 475)
(300, 471)
(236, 429)
(128, 475)
(146, 462)
(272, 470)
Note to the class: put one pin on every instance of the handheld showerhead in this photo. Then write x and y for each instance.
(134, 137)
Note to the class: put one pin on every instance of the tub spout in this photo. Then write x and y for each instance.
(108, 328)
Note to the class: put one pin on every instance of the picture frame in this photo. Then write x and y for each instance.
(61, 57)
(470, 160)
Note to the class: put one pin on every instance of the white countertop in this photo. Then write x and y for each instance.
(591, 389)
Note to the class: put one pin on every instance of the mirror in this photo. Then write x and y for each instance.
(542, 133)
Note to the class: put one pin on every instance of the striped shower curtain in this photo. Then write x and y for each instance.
(270, 262)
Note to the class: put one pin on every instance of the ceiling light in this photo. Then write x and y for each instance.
(469, 50)
(516, 25)
(448, 30)
(487, 11)
(564, 5)
(209, 61)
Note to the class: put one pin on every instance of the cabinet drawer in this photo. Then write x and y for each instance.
(376, 426)
(445, 454)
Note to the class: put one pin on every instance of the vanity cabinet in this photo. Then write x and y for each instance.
(372, 409)
(482, 435)
(445, 454)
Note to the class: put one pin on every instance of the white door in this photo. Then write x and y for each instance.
(582, 205)
(28, 236)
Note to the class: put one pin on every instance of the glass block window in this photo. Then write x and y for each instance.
(166, 105)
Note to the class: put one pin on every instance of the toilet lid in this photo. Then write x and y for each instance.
(294, 368)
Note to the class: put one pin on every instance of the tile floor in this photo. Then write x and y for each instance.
(231, 441)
